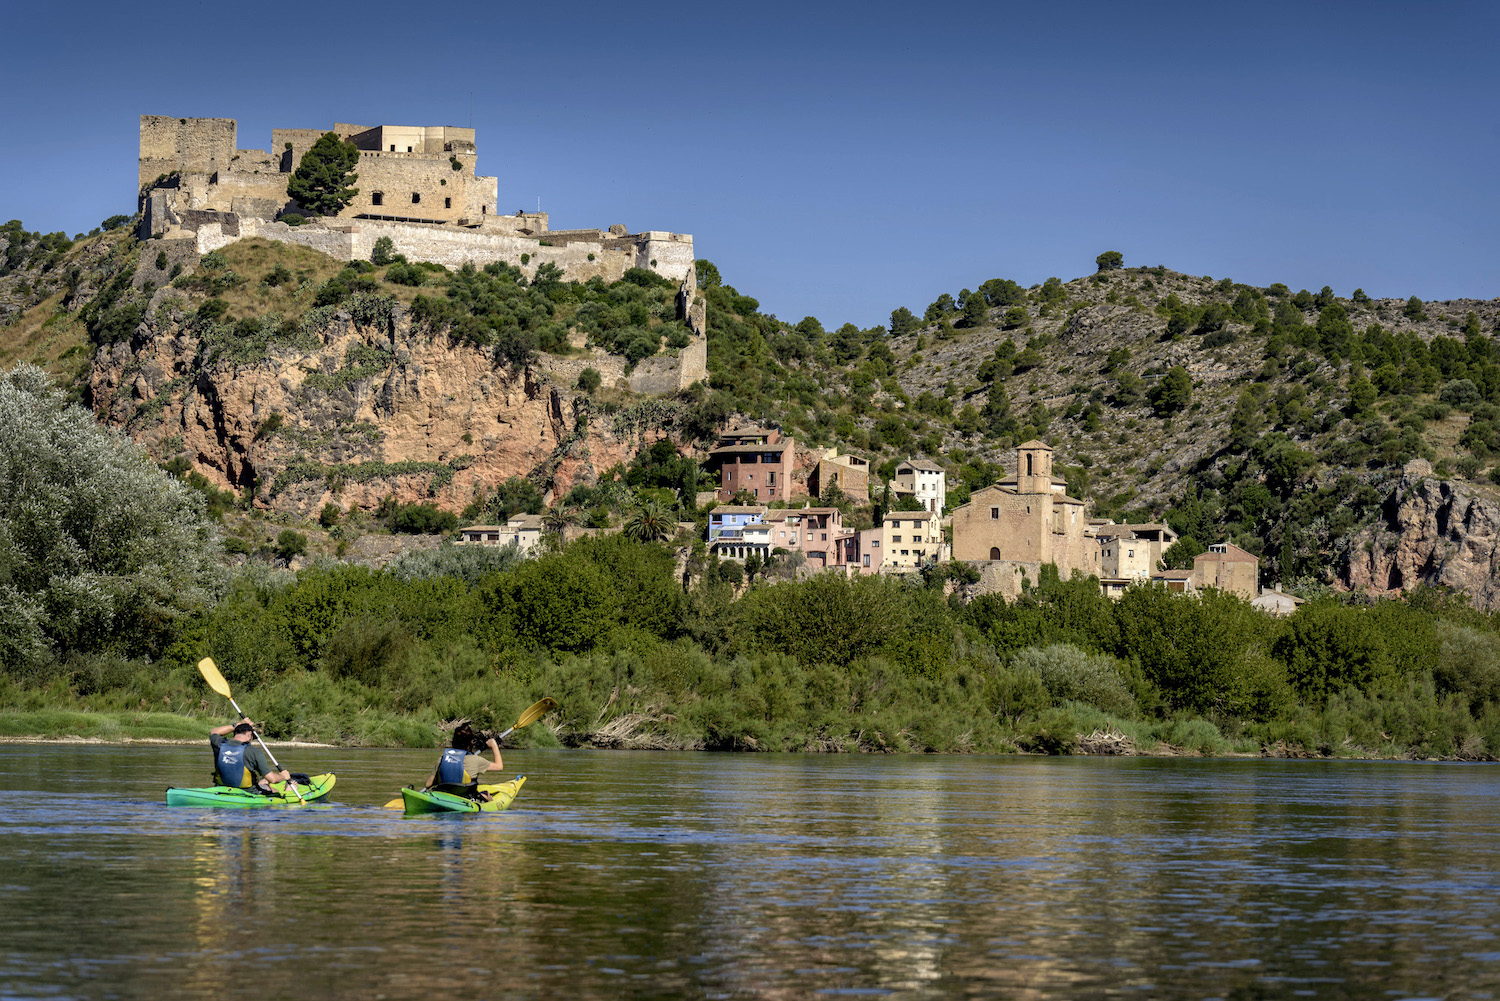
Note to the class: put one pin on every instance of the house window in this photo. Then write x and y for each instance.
(447, 203)
(994, 514)
(994, 553)
(825, 537)
(895, 538)
(875, 544)
(771, 478)
(378, 198)
(1132, 554)
(415, 198)
(916, 538)
(393, 147)
(408, 149)
(867, 559)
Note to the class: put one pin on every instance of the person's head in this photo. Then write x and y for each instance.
(463, 737)
(244, 732)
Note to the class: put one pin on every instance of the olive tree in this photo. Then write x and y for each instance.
(99, 549)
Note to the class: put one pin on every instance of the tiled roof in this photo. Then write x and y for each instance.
(736, 509)
(922, 464)
(1034, 443)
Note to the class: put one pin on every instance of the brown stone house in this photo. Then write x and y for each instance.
(1229, 568)
(756, 460)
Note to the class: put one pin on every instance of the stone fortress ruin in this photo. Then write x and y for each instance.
(198, 191)
(416, 185)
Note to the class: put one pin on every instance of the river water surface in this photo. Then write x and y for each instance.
(635, 875)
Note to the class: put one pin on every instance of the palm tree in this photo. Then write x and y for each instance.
(650, 523)
(557, 519)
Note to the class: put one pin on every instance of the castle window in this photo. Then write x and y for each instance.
(484, 210)
(994, 514)
(447, 203)
(408, 149)
(393, 147)
(415, 198)
(994, 553)
(377, 198)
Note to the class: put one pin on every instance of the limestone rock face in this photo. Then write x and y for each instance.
(353, 414)
(1432, 533)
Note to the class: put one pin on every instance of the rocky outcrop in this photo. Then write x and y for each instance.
(1432, 532)
(349, 414)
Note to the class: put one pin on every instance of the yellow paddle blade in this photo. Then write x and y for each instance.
(210, 672)
(535, 713)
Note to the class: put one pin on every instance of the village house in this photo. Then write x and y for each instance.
(1228, 568)
(1224, 567)
(911, 539)
(756, 460)
(524, 530)
(924, 480)
(849, 473)
(736, 531)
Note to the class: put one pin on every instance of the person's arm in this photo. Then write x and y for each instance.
(228, 728)
(495, 750)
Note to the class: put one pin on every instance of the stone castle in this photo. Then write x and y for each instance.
(417, 185)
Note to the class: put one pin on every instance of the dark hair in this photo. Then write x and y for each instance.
(463, 737)
(240, 728)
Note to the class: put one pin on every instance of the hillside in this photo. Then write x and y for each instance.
(1283, 421)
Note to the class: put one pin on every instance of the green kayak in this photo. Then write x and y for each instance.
(432, 801)
(315, 788)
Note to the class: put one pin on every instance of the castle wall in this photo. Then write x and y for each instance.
(185, 145)
(443, 194)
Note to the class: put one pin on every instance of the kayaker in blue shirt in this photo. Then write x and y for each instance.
(238, 762)
(458, 765)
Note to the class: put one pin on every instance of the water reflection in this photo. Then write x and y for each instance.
(620, 875)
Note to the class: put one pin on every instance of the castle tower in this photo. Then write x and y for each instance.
(1033, 467)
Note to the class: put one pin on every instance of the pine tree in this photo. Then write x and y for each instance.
(321, 181)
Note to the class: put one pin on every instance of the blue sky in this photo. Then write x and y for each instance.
(844, 159)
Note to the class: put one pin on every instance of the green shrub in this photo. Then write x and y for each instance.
(290, 543)
(1072, 674)
(384, 252)
(292, 218)
(423, 519)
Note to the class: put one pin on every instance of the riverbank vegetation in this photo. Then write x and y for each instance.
(344, 654)
(113, 588)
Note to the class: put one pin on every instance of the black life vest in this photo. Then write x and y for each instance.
(450, 767)
(230, 764)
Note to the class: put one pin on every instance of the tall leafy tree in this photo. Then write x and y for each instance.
(322, 180)
(1110, 260)
(99, 549)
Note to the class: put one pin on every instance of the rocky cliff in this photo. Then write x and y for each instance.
(349, 414)
(1432, 531)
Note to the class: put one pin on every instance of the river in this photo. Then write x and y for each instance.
(636, 875)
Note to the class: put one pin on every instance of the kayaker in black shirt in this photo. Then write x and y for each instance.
(459, 766)
(238, 762)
